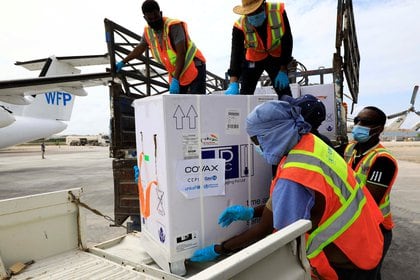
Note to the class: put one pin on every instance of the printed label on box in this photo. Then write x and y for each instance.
(190, 146)
(233, 119)
(186, 241)
(193, 173)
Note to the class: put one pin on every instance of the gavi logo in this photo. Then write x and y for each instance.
(57, 98)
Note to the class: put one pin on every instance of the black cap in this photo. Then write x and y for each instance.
(312, 109)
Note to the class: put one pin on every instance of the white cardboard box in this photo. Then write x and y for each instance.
(325, 93)
(190, 141)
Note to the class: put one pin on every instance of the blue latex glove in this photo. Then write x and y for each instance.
(282, 80)
(174, 87)
(235, 213)
(119, 65)
(204, 255)
(136, 173)
(233, 89)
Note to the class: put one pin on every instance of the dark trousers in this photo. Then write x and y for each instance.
(387, 242)
(356, 274)
(374, 274)
(252, 71)
(198, 85)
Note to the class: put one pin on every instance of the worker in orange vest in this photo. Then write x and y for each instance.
(374, 164)
(171, 45)
(261, 41)
(314, 182)
(313, 112)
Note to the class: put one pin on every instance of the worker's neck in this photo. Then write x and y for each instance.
(364, 147)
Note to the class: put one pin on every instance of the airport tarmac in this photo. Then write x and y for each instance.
(24, 172)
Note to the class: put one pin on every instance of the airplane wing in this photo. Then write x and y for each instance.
(48, 99)
(57, 74)
(75, 61)
(20, 92)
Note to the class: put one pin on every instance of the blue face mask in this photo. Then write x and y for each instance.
(361, 133)
(258, 19)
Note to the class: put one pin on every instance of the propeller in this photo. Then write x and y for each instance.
(411, 108)
(398, 114)
(413, 97)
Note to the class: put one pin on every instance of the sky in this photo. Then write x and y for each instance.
(387, 30)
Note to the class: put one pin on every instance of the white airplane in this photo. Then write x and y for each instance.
(37, 108)
(402, 116)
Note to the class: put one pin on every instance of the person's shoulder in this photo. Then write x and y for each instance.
(384, 163)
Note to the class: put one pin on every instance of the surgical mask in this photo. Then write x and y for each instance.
(361, 133)
(258, 19)
(258, 149)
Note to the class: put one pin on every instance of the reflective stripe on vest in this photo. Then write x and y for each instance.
(171, 54)
(363, 168)
(363, 171)
(276, 28)
(352, 201)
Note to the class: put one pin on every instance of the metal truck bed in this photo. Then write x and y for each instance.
(47, 230)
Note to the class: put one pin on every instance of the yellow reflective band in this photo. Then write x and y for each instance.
(334, 226)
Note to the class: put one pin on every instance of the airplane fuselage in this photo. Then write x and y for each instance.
(26, 129)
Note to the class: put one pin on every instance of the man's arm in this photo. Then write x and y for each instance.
(380, 177)
(237, 54)
(286, 44)
(291, 202)
(137, 51)
(178, 37)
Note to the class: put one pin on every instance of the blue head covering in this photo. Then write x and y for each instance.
(278, 126)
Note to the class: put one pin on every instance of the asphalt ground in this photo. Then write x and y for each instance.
(24, 172)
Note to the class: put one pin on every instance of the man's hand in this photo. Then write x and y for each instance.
(205, 255)
(235, 213)
(233, 89)
(282, 80)
(119, 65)
(174, 87)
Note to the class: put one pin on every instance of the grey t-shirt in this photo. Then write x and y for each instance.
(176, 35)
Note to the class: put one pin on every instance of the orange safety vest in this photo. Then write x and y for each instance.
(351, 217)
(362, 170)
(166, 54)
(255, 50)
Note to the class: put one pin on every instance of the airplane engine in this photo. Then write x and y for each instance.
(6, 118)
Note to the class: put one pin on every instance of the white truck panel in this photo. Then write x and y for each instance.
(38, 226)
(278, 256)
(46, 229)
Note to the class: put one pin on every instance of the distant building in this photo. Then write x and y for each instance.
(87, 140)
(400, 135)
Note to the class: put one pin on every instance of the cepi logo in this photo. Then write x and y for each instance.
(57, 97)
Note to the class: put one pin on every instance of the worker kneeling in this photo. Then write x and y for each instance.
(313, 182)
